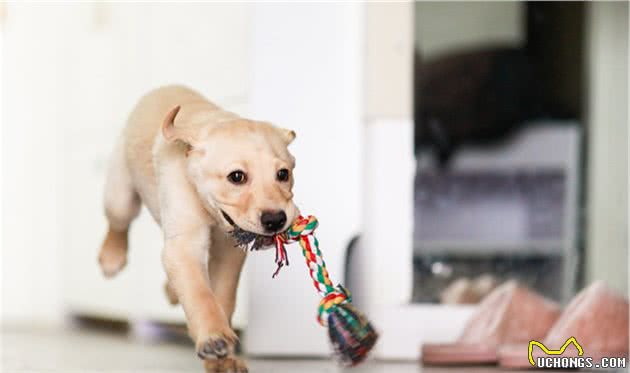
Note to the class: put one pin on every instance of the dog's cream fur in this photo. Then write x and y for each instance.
(175, 156)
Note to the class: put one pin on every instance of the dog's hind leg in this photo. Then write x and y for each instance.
(122, 205)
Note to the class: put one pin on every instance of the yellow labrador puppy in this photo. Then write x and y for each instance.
(212, 180)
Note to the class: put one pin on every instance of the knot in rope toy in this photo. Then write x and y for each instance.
(350, 332)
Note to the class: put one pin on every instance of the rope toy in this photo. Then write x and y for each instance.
(351, 334)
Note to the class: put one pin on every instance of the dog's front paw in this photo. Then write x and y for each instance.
(230, 364)
(217, 346)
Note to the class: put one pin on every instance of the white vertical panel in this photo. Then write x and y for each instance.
(607, 224)
(386, 262)
(386, 256)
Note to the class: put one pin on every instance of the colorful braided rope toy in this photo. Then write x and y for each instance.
(350, 332)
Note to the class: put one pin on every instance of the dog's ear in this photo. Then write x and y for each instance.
(287, 135)
(181, 131)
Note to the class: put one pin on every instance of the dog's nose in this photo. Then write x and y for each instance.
(273, 221)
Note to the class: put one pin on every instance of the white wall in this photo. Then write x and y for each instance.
(607, 224)
(71, 74)
(30, 275)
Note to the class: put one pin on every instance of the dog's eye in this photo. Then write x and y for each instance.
(237, 177)
(283, 175)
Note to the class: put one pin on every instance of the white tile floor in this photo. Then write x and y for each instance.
(72, 350)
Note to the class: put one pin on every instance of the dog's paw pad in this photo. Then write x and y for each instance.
(214, 347)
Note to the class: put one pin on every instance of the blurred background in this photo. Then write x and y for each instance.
(446, 147)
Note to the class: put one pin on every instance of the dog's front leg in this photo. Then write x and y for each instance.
(185, 261)
(187, 236)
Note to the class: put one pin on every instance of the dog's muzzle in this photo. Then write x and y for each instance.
(245, 239)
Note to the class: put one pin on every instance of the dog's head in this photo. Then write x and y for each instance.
(242, 169)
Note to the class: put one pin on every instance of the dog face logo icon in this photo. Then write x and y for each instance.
(547, 351)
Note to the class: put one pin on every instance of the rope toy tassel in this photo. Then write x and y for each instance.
(351, 334)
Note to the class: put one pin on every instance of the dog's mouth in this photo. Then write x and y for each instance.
(228, 219)
(247, 240)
